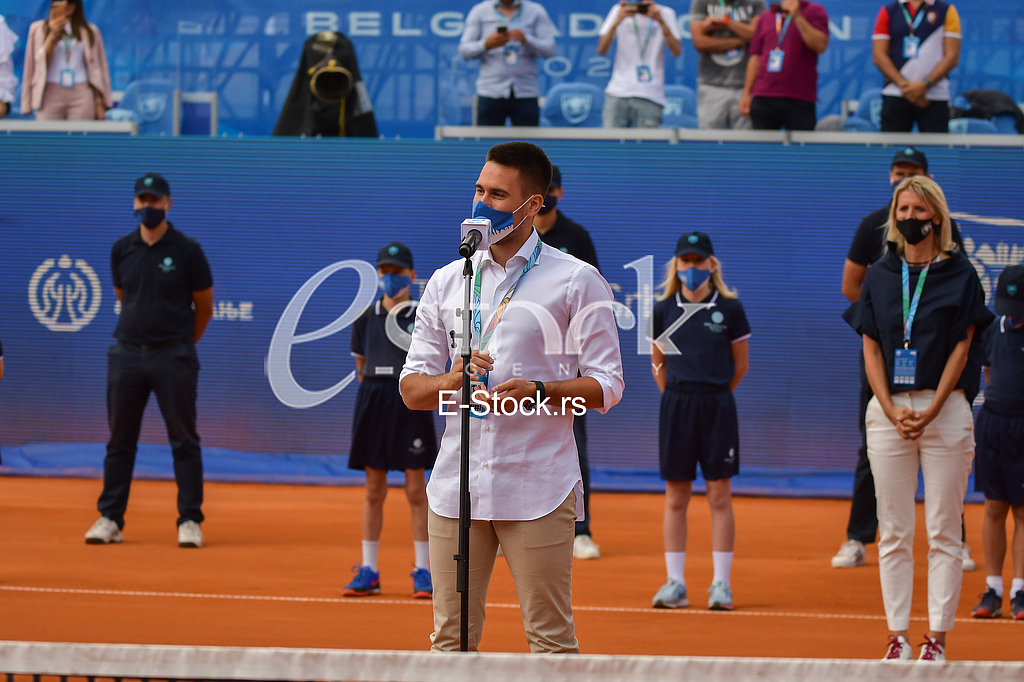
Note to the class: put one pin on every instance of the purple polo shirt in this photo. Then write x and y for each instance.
(799, 76)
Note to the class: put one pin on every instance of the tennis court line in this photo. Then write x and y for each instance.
(406, 602)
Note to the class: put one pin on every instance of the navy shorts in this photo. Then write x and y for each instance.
(999, 457)
(698, 427)
(386, 434)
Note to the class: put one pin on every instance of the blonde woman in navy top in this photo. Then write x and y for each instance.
(920, 310)
(698, 356)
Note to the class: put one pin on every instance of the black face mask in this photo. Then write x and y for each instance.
(150, 217)
(914, 230)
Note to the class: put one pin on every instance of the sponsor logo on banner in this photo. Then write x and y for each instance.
(990, 259)
(64, 294)
(576, 107)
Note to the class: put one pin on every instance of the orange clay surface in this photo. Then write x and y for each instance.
(288, 550)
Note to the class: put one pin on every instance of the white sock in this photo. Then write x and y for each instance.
(723, 566)
(995, 582)
(370, 554)
(675, 562)
(422, 550)
(1016, 586)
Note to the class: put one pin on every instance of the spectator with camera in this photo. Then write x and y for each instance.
(916, 43)
(781, 85)
(635, 95)
(507, 36)
(721, 31)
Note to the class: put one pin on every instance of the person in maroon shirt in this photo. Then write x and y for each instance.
(782, 73)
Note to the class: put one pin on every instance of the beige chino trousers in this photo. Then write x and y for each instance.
(539, 555)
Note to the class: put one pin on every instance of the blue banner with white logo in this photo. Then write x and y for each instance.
(290, 244)
(247, 51)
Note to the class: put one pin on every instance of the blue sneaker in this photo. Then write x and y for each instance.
(422, 588)
(367, 581)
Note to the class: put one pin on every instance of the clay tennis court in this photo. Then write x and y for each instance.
(277, 556)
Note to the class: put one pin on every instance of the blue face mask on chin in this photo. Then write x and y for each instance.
(501, 221)
(692, 278)
(393, 284)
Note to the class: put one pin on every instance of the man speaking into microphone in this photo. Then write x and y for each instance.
(539, 317)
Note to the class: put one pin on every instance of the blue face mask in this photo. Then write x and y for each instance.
(693, 278)
(501, 221)
(150, 217)
(393, 284)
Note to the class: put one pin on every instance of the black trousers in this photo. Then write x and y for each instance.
(579, 431)
(493, 112)
(172, 373)
(776, 113)
(899, 116)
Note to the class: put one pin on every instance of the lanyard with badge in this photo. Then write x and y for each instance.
(905, 364)
(67, 74)
(911, 43)
(485, 334)
(643, 71)
(511, 53)
(776, 56)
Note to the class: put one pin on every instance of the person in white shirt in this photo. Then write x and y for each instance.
(635, 94)
(8, 81)
(525, 484)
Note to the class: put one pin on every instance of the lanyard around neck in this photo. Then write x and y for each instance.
(485, 335)
(729, 9)
(784, 27)
(514, 21)
(917, 20)
(910, 306)
(647, 40)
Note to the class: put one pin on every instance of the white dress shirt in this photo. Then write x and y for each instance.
(521, 467)
(8, 81)
(498, 79)
(630, 37)
(69, 54)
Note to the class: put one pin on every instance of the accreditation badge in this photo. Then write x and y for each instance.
(511, 55)
(910, 46)
(775, 58)
(67, 78)
(478, 409)
(644, 74)
(904, 372)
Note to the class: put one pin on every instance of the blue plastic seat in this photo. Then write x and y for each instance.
(153, 102)
(573, 105)
(1006, 124)
(972, 126)
(680, 107)
(868, 117)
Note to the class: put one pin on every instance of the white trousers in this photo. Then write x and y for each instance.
(943, 453)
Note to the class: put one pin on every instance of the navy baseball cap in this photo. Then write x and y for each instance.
(556, 178)
(1010, 292)
(695, 242)
(152, 183)
(912, 156)
(395, 253)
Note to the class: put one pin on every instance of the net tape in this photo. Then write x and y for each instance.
(332, 665)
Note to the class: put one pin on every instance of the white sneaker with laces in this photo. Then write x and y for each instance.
(190, 535)
(850, 555)
(899, 649)
(672, 595)
(584, 547)
(969, 564)
(932, 651)
(103, 532)
(720, 598)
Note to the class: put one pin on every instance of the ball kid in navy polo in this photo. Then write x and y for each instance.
(386, 435)
(699, 355)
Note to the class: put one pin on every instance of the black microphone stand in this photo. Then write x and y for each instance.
(465, 511)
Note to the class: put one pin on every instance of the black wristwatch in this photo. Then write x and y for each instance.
(928, 83)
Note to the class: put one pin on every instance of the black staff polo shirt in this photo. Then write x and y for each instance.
(704, 340)
(381, 357)
(1004, 356)
(951, 302)
(869, 240)
(157, 283)
(572, 238)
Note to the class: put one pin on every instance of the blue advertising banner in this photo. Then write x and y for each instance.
(289, 238)
(248, 50)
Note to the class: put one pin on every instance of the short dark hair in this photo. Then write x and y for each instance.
(529, 160)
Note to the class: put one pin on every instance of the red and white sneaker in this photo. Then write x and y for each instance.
(931, 650)
(899, 649)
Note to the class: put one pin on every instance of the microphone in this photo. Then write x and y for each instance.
(475, 236)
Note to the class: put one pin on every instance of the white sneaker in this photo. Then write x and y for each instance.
(969, 564)
(899, 649)
(190, 535)
(720, 598)
(672, 595)
(584, 547)
(931, 651)
(850, 555)
(103, 532)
